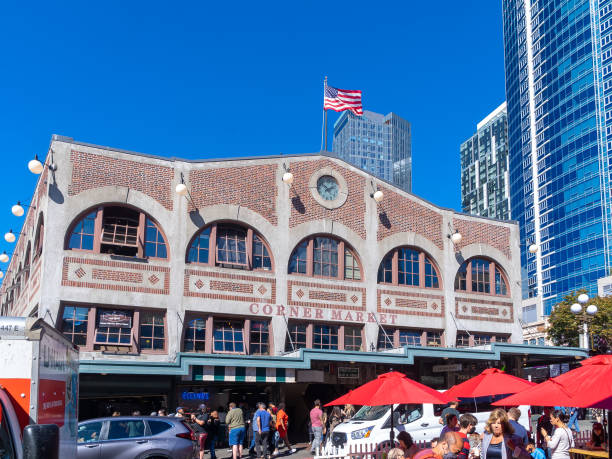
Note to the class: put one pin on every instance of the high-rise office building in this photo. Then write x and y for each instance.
(379, 144)
(558, 62)
(484, 168)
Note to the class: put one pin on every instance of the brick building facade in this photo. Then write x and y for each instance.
(249, 280)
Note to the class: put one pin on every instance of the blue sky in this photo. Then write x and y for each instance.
(224, 79)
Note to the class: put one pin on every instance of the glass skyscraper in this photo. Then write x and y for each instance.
(558, 62)
(484, 168)
(377, 143)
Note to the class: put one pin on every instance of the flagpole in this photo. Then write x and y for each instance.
(325, 114)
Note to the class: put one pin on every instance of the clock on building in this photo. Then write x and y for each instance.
(327, 187)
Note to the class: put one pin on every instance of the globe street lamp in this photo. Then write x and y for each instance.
(585, 316)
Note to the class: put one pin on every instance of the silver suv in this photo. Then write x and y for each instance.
(130, 437)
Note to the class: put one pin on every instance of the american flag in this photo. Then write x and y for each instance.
(342, 99)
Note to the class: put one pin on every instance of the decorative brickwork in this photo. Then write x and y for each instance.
(253, 187)
(484, 310)
(310, 294)
(398, 214)
(229, 285)
(93, 171)
(304, 208)
(473, 232)
(410, 303)
(115, 275)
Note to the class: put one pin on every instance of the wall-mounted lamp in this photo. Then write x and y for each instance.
(36, 167)
(10, 236)
(18, 209)
(182, 190)
(455, 237)
(376, 194)
(287, 176)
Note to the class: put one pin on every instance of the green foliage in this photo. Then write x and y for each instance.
(565, 327)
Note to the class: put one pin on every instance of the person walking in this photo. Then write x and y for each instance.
(335, 418)
(544, 425)
(261, 427)
(562, 440)
(451, 424)
(317, 423)
(348, 412)
(273, 436)
(213, 428)
(573, 419)
(198, 423)
(467, 426)
(450, 409)
(282, 427)
(498, 441)
(514, 414)
(235, 426)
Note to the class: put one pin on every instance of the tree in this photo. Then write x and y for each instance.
(566, 327)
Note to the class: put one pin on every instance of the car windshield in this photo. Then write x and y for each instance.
(370, 413)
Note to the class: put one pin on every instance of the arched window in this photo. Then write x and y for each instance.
(325, 256)
(118, 230)
(26, 265)
(478, 275)
(38, 238)
(230, 246)
(408, 266)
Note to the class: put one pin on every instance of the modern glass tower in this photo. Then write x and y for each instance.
(484, 168)
(558, 61)
(377, 143)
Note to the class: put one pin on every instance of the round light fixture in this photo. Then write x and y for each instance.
(378, 195)
(288, 178)
(10, 236)
(575, 308)
(456, 237)
(591, 309)
(1, 274)
(583, 298)
(35, 166)
(533, 248)
(17, 210)
(4, 257)
(181, 189)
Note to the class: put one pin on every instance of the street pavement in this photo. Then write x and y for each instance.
(302, 452)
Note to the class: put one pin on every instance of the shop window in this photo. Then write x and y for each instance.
(113, 327)
(259, 337)
(152, 334)
(228, 336)
(434, 338)
(409, 338)
(74, 324)
(463, 340)
(297, 337)
(195, 336)
(502, 339)
(479, 275)
(323, 256)
(119, 231)
(230, 246)
(352, 338)
(325, 337)
(408, 266)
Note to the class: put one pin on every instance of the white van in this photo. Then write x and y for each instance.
(371, 424)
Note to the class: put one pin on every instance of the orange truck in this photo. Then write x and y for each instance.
(39, 381)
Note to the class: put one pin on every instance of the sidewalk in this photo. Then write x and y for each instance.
(302, 452)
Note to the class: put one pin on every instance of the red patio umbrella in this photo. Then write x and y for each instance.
(388, 389)
(491, 381)
(588, 386)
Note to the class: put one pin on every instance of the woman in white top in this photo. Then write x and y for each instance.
(562, 440)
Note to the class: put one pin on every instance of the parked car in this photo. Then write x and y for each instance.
(131, 437)
(371, 424)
